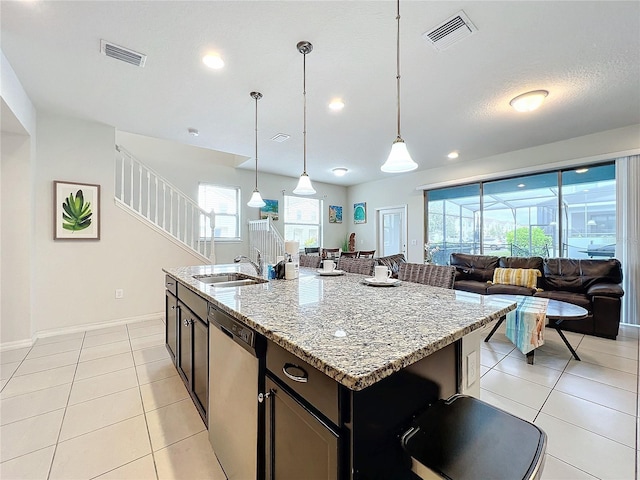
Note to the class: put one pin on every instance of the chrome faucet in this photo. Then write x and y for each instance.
(257, 266)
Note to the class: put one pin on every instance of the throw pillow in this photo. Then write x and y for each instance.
(522, 277)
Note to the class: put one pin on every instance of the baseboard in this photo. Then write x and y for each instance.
(16, 344)
(79, 328)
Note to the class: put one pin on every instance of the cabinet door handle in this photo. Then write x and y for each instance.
(173, 307)
(298, 376)
(187, 322)
(169, 283)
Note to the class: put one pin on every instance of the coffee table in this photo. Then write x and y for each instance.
(557, 312)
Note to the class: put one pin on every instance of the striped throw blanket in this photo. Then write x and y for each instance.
(525, 324)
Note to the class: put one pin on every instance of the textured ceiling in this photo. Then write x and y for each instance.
(587, 54)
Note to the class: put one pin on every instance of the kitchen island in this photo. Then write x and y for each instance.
(389, 351)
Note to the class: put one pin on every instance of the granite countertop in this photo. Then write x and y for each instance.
(356, 334)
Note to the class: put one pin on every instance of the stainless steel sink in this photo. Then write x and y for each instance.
(230, 279)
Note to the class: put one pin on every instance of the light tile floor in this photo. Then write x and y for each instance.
(108, 404)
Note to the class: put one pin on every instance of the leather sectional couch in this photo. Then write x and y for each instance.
(592, 284)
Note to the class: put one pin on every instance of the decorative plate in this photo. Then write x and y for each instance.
(389, 282)
(333, 273)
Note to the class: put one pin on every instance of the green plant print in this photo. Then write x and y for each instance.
(77, 213)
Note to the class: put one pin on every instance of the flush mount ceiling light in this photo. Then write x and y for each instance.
(336, 105)
(527, 102)
(582, 170)
(256, 198)
(304, 186)
(453, 155)
(213, 61)
(340, 171)
(521, 185)
(399, 159)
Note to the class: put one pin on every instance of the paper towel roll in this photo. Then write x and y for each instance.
(291, 247)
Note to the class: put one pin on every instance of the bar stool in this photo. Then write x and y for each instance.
(465, 438)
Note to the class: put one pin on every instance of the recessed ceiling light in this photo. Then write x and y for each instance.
(193, 132)
(336, 104)
(582, 170)
(521, 185)
(529, 101)
(340, 171)
(213, 60)
(453, 155)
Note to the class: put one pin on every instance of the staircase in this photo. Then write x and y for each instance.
(143, 193)
(264, 237)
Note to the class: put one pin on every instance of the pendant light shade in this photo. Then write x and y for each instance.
(304, 186)
(256, 199)
(399, 159)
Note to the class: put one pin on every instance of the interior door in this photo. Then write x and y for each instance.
(392, 231)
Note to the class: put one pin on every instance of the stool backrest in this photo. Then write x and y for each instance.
(435, 275)
(363, 266)
(312, 261)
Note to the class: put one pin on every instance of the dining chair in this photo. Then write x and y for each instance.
(366, 253)
(330, 253)
(434, 275)
(363, 266)
(312, 261)
(349, 254)
(310, 250)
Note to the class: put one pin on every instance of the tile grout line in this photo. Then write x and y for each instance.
(55, 448)
(146, 422)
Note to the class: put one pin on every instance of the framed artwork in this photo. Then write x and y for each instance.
(360, 212)
(335, 214)
(269, 210)
(76, 211)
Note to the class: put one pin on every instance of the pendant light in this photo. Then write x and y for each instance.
(304, 184)
(256, 198)
(399, 159)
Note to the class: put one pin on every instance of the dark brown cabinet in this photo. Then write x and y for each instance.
(171, 316)
(187, 339)
(299, 444)
(303, 437)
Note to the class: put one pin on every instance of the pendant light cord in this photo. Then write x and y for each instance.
(256, 97)
(304, 128)
(398, 65)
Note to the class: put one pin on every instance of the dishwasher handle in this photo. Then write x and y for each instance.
(225, 330)
(300, 375)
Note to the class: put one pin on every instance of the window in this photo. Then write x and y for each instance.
(225, 202)
(569, 213)
(303, 221)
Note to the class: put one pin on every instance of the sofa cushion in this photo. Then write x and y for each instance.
(521, 262)
(509, 290)
(473, 267)
(520, 277)
(569, 297)
(472, 286)
(577, 275)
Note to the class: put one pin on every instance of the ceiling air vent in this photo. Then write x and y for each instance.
(123, 54)
(450, 31)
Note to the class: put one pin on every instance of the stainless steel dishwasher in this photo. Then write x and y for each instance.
(236, 412)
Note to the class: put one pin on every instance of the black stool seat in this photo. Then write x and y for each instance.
(466, 438)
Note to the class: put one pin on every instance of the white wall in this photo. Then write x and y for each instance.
(401, 189)
(16, 236)
(74, 281)
(185, 166)
(17, 155)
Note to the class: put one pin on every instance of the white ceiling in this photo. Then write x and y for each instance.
(587, 54)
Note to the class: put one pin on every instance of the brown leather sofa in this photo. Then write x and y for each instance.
(592, 284)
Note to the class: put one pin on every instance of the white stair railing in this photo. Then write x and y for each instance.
(141, 190)
(265, 237)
